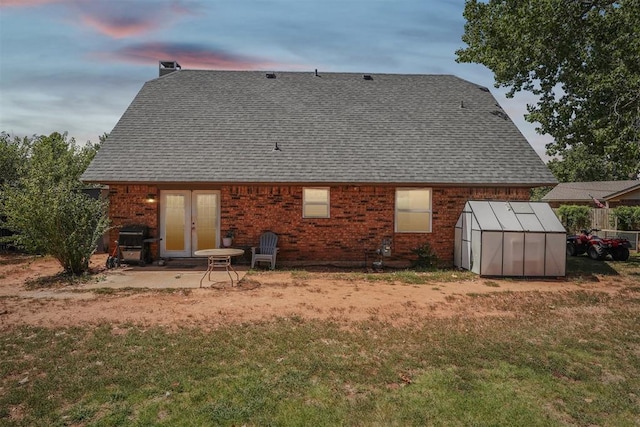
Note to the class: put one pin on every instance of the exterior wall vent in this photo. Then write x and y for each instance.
(167, 67)
(271, 75)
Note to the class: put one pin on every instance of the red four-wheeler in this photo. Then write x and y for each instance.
(598, 247)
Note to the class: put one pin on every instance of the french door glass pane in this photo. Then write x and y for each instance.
(175, 222)
(206, 209)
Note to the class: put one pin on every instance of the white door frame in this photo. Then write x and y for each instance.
(190, 222)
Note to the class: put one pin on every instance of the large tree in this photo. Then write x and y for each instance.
(42, 199)
(582, 60)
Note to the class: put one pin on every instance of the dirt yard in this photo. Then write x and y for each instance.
(29, 296)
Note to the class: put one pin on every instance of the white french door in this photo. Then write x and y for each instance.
(189, 221)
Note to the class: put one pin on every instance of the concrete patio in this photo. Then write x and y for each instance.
(182, 275)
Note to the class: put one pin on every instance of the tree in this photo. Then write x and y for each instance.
(102, 138)
(581, 59)
(12, 157)
(577, 164)
(46, 207)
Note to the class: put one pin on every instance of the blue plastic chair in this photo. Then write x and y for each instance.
(267, 251)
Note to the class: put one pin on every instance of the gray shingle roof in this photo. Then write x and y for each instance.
(581, 191)
(221, 126)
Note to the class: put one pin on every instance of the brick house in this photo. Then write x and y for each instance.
(331, 162)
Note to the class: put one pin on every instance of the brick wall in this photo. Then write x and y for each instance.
(128, 205)
(361, 216)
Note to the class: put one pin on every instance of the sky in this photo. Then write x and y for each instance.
(75, 65)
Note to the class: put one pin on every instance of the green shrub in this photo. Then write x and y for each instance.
(59, 221)
(44, 205)
(574, 218)
(427, 257)
(628, 217)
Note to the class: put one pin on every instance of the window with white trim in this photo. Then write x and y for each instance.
(413, 210)
(315, 203)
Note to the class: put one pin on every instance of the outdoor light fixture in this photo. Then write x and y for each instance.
(151, 198)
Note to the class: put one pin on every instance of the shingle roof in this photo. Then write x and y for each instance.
(582, 191)
(221, 126)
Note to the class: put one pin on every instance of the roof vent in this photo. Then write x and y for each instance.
(500, 114)
(367, 77)
(167, 67)
(317, 75)
(276, 148)
(484, 89)
(461, 104)
(271, 75)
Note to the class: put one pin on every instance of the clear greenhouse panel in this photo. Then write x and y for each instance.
(530, 222)
(468, 224)
(475, 251)
(457, 249)
(491, 254)
(466, 255)
(505, 215)
(513, 254)
(534, 249)
(484, 215)
(556, 255)
(548, 218)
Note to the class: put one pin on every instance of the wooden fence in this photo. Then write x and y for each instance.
(603, 219)
(607, 223)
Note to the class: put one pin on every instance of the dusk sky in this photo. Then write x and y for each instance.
(75, 65)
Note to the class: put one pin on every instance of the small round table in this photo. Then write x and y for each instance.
(219, 258)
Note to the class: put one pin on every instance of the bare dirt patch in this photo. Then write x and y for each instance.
(31, 293)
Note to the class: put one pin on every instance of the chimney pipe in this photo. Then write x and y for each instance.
(167, 67)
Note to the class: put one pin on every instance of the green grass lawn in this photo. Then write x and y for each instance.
(569, 358)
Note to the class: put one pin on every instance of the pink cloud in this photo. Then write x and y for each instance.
(189, 56)
(28, 3)
(119, 28)
(120, 20)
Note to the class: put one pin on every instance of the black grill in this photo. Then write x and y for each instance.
(134, 245)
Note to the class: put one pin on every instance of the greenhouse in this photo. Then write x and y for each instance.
(510, 239)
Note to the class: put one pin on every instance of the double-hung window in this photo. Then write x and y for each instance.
(413, 210)
(315, 203)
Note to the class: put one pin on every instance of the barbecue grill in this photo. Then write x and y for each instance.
(134, 244)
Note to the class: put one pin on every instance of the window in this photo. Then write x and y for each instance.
(315, 203)
(413, 210)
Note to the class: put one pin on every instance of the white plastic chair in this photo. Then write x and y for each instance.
(267, 251)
